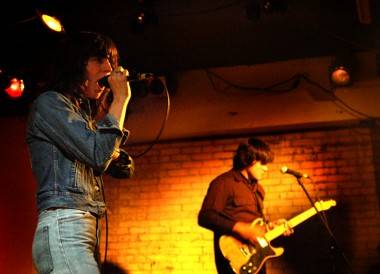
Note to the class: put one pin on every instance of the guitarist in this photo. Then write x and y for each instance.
(235, 199)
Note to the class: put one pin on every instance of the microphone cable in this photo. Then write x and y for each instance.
(106, 223)
(167, 112)
(164, 121)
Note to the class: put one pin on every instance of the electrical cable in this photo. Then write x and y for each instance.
(106, 223)
(294, 82)
(135, 156)
(274, 89)
(161, 128)
(356, 113)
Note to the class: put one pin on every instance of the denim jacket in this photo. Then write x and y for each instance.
(68, 154)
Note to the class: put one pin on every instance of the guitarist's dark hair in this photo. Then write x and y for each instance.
(254, 150)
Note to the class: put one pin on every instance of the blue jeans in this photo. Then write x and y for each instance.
(65, 241)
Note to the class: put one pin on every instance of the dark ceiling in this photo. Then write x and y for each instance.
(195, 34)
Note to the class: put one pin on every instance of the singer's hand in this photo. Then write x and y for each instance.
(119, 84)
(121, 94)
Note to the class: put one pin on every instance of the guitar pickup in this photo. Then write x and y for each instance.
(245, 251)
(262, 242)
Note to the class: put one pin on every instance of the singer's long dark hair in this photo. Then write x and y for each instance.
(254, 150)
(69, 68)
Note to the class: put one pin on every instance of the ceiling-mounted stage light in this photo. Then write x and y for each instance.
(51, 22)
(144, 15)
(11, 85)
(15, 92)
(341, 76)
(341, 70)
(140, 19)
(15, 88)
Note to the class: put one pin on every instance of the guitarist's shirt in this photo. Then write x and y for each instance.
(230, 198)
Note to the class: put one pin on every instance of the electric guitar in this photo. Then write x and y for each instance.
(249, 258)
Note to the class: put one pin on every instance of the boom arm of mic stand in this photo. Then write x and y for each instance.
(326, 225)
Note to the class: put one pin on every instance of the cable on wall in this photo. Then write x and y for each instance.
(289, 85)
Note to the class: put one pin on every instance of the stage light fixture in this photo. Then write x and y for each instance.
(15, 88)
(141, 18)
(341, 70)
(145, 15)
(340, 76)
(15, 91)
(50, 21)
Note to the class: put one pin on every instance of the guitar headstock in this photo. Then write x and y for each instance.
(325, 205)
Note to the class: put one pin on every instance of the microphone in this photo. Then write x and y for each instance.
(134, 77)
(295, 173)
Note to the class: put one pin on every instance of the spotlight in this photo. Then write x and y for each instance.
(340, 76)
(11, 85)
(145, 15)
(15, 88)
(140, 18)
(341, 70)
(138, 22)
(15, 92)
(50, 21)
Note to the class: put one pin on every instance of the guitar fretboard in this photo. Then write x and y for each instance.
(279, 230)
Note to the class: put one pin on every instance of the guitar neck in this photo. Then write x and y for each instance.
(279, 230)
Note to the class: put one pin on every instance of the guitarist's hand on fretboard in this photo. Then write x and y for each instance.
(281, 222)
(249, 231)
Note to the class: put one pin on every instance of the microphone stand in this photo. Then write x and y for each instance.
(334, 246)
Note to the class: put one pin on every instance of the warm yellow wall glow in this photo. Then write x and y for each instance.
(153, 217)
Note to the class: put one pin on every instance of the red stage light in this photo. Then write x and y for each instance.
(15, 89)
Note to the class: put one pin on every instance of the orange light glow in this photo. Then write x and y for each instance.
(15, 88)
(340, 76)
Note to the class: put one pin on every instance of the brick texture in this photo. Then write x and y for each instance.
(153, 217)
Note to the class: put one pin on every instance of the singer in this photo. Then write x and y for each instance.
(73, 136)
(235, 199)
